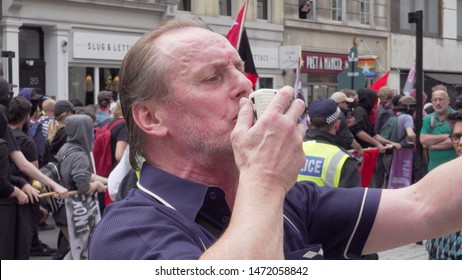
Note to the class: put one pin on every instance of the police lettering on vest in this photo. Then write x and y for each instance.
(323, 164)
(313, 166)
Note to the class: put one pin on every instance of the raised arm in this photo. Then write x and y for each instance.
(427, 209)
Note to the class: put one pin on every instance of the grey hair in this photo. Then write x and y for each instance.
(144, 76)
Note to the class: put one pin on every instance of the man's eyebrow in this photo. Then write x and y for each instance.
(239, 63)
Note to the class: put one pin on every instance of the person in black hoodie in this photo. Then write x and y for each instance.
(363, 130)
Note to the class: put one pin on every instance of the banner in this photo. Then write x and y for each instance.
(401, 169)
(82, 216)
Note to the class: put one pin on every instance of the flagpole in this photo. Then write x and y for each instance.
(246, 2)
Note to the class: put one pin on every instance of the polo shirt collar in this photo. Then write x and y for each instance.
(185, 196)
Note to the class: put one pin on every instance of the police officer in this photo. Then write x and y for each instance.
(327, 163)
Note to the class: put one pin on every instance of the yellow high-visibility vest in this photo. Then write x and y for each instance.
(323, 164)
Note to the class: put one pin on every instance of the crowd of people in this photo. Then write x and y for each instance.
(201, 179)
(36, 131)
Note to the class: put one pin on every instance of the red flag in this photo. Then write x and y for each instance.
(234, 34)
(377, 86)
(380, 82)
(237, 36)
(368, 166)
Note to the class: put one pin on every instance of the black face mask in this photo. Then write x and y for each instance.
(410, 111)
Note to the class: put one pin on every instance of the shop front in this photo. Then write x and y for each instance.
(319, 73)
(95, 64)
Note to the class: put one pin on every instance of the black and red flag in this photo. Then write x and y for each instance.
(237, 36)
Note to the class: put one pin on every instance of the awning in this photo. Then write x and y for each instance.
(451, 79)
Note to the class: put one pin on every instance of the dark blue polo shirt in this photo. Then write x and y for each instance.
(171, 218)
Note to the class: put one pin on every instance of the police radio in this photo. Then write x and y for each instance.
(260, 100)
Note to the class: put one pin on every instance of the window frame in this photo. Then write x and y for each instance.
(228, 8)
(396, 21)
(268, 10)
(364, 13)
(459, 19)
(343, 11)
(183, 4)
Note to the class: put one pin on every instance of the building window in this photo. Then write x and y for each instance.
(459, 19)
(30, 43)
(81, 84)
(431, 16)
(225, 7)
(262, 9)
(265, 82)
(306, 9)
(184, 5)
(337, 10)
(365, 12)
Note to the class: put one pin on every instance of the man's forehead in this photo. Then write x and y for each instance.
(191, 40)
(439, 92)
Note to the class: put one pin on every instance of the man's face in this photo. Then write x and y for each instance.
(343, 105)
(456, 135)
(207, 83)
(440, 101)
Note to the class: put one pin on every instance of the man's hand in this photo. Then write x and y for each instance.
(20, 196)
(31, 193)
(61, 191)
(271, 149)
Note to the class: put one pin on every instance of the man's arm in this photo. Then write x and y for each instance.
(429, 140)
(33, 172)
(410, 134)
(444, 145)
(363, 136)
(427, 209)
(268, 155)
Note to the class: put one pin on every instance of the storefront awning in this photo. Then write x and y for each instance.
(452, 79)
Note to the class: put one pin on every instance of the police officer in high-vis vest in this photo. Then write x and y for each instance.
(327, 163)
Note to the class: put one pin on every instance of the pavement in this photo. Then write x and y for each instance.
(407, 252)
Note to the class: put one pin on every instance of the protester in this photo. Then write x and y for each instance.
(57, 136)
(206, 158)
(364, 130)
(75, 163)
(449, 247)
(15, 154)
(385, 111)
(48, 115)
(345, 117)
(325, 147)
(28, 241)
(435, 129)
(459, 102)
(104, 101)
(13, 236)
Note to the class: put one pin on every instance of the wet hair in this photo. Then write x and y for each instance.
(145, 76)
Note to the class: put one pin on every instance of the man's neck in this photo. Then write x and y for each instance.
(17, 125)
(220, 173)
(442, 115)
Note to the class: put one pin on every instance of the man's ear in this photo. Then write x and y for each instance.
(149, 119)
(337, 124)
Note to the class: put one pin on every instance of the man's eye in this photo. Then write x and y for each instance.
(212, 79)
